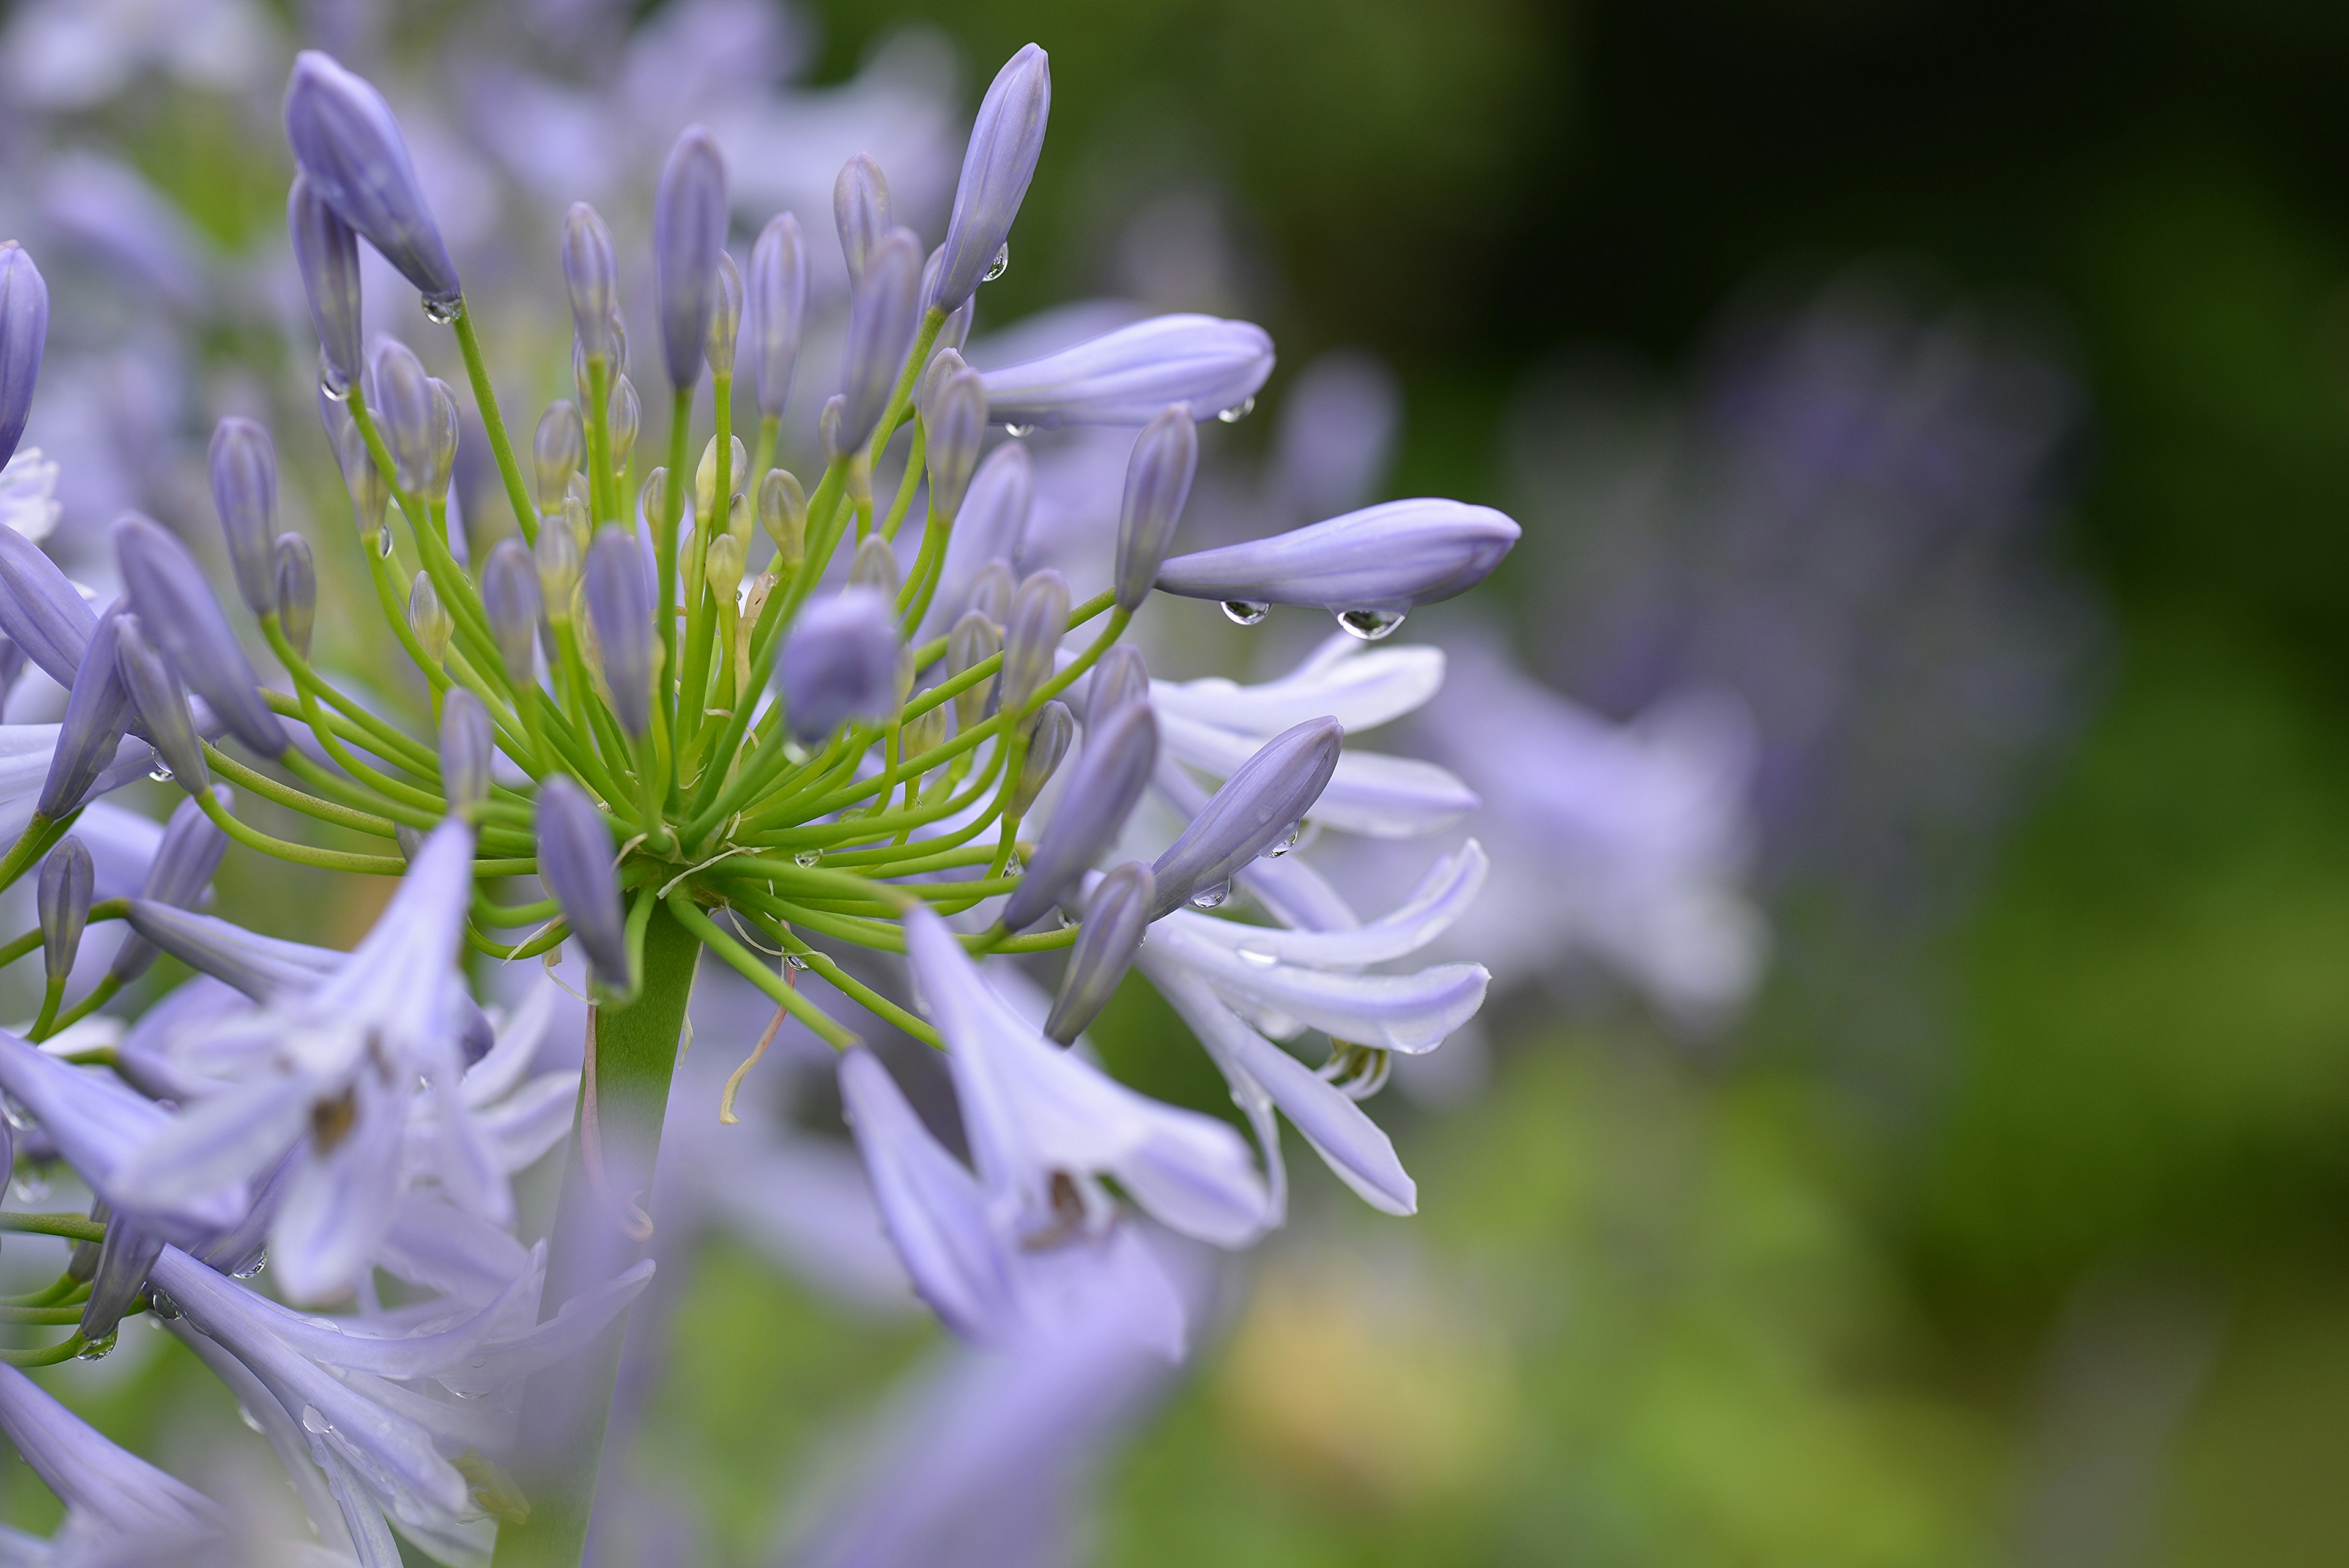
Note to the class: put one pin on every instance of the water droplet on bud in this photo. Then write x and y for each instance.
(1017, 431)
(1245, 612)
(1369, 625)
(332, 384)
(1211, 898)
(444, 311)
(1237, 411)
(999, 265)
(807, 858)
(1286, 842)
(1259, 956)
(161, 772)
(95, 1349)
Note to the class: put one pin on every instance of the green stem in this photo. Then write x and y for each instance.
(486, 398)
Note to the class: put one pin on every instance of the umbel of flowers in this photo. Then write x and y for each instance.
(692, 699)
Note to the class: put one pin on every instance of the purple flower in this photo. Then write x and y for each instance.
(840, 662)
(348, 143)
(1383, 558)
(689, 233)
(777, 294)
(1005, 143)
(327, 254)
(1129, 377)
(23, 331)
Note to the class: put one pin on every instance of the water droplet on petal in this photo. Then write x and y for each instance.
(999, 265)
(1286, 842)
(1369, 625)
(333, 385)
(1211, 897)
(1019, 431)
(247, 1417)
(259, 1261)
(1237, 411)
(161, 772)
(383, 544)
(1261, 958)
(807, 858)
(1245, 612)
(444, 311)
(314, 1420)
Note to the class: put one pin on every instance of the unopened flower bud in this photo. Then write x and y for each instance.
(182, 868)
(689, 235)
(1117, 917)
(783, 513)
(620, 601)
(124, 1259)
(860, 207)
(40, 609)
(828, 426)
(160, 699)
(1049, 729)
(882, 316)
(429, 619)
(591, 274)
(441, 465)
(556, 557)
(1119, 678)
(1379, 561)
(777, 292)
(925, 732)
(348, 143)
(1005, 143)
(955, 423)
(327, 254)
(1104, 782)
(992, 591)
(403, 397)
(575, 861)
(557, 451)
(177, 610)
(296, 572)
(23, 331)
(725, 319)
(974, 640)
(510, 597)
(244, 494)
(1263, 801)
(1039, 616)
(722, 565)
(97, 711)
(370, 493)
(466, 744)
(840, 662)
(874, 566)
(1129, 376)
(627, 416)
(705, 482)
(1157, 482)
(68, 877)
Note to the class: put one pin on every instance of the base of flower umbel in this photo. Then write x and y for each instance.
(600, 1231)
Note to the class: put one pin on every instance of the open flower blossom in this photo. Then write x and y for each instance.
(663, 730)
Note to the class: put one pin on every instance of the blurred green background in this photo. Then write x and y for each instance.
(2083, 1300)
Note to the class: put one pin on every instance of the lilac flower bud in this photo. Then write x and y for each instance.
(827, 428)
(955, 423)
(1117, 914)
(725, 318)
(556, 450)
(592, 276)
(1373, 564)
(1157, 482)
(782, 512)
(244, 494)
(41, 611)
(97, 711)
(1126, 377)
(1119, 678)
(840, 662)
(1263, 801)
(778, 289)
(1039, 616)
(620, 602)
(944, 363)
(429, 619)
(874, 566)
(295, 574)
(882, 318)
(860, 206)
(990, 528)
(575, 861)
(327, 253)
(370, 495)
(975, 639)
(346, 140)
(555, 557)
(1002, 159)
(178, 612)
(24, 331)
(126, 1255)
(1049, 730)
(68, 880)
(467, 745)
(402, 396)
(511, 598)
(626, 416)
(1104, 782)
(722, 567)
(441, 461)
(688, 234)
(992, 590)
(182, 868)
(160, 700)
(707, 513)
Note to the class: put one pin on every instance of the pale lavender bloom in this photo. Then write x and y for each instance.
(1049, 730)
(28, 495)
(1121, 677)
(575, 859)
(955, 420)
(1157, 482)
(160, 702)
(296, 572)
(883, 319)
(557, 448)
(336, 1064)
(860, 210)
(1263, 803)
(1387, 557)
(509, 597)
(179, 875)
(591, 274)
(41, 611)
(725, 319)
(1116, 915)
(778, 297)
(1128, 377)
(1120, 752)
(123, 1260)
(466, 748)
(1005, 143)
(620, 600)
(990, 527)
(266, 969)
(24, 331)
(244, 492)
(115, 1500)
(177, 610)
(1043, 1122)
(26, 752)
(347, 142)
(63, 894)
(327, 254)
(840, 662)
(689, 233)
(97, 711)
(400, 393)
(98, 1126)
(1038, 618)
